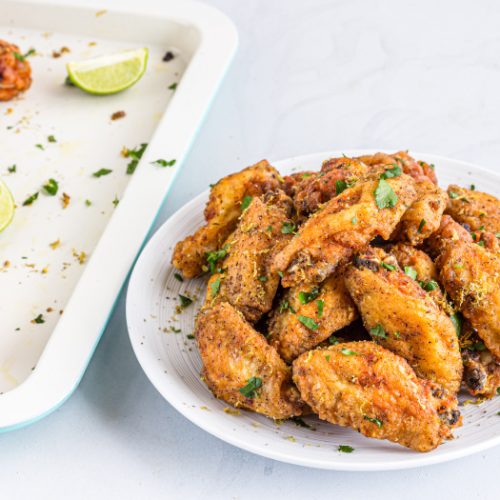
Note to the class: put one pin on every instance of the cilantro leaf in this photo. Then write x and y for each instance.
(308, 322)
(164, 163)
(421, 225)
(409, 271)
(306, 297)
(348, 352)
(251, 388)
(216, 255)
(378, 331)
(185, 301)
(345, 448)
(51, 187)
(389, 267)
(136, 155)
(288, 228)
(321, 305)
(375, 421)
(246, 202)
(385, 197)
(340, 186)
(214, 287)
(30, 199)
(395, 171)
(101, 172)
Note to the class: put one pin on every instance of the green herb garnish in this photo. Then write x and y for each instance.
(340, 186)
(51, 187)
(216, 255)
(409, 271)
(389, 267)
(136, 155)
(251, 388)
(453, 195)
(173, 86)
(285, 305)
(246, 202)
(378, 331)
(22, 57)
(30, 199)
(288, 228)
(185, 301)
(429, 286)
(395, 171)
(385, 197)
(456, 319)
(354, 220)
(321, 305)
(101, 172)
(214, 287)
(164, 163)
(178, 277)
(12, 169)
(333, 340)
(38, 320)
(308, 322)
(306, 297)
(262, 278)
(375, 421)
(51, 138)
(421, 225)
(88, 203)
(345, 448)
(348, 352)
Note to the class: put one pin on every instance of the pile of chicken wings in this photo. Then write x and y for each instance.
(362, 292)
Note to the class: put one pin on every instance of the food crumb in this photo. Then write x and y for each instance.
(100, 13)
(55, 244)
(81, 257)
(118, 114)
(168, 56)
(58, 53)
(231, 411)
(6, 264)
(65, 199)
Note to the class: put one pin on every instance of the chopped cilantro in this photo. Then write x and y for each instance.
(354, 220)
(395, 171)
(39, 146)
(251, 388)
(453, 195)
(385, 197)
(306, 297)
(333, 340)
(12, 169)
(345, 448)
(421, 225)
(378, 331)
(481, 243)
(409, 271)
(30, 199)
(136, 155)
(300, 423)
(190, 336)
(340, 186)
(246, 202)
(213, 257)
(38, 320)
(164, 163)
(321, 305)
(472, 187)
(173, 86)
(178, 277)
(88, 203)
(375, 421)
(327, 357)
(262, 278)
(101, 172)
(51, 138)
(348, 352)
(269, 228)
(389, 267)
(456, 319)
(288, 228)
(116, 201)
(214, 287)
(280, 274)
(51, 187)
(308, 322)
(429, 286)
(22, 57)
(185, 301)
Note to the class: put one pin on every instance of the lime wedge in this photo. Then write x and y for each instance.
(109, 74)
(7, 206)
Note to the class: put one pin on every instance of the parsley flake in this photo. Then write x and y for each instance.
(348, 352)
(215, 286)
(136, 155)
(345, 448)
(409, 271)
(340, 186)
(453, 195)
(385, 197)
(185, 301)
(332, 340)
(245, 203)
(251, 388)
(51, 138)
(321, 305)
(375, 421)
(378, 331)
(213, 257)
(173, 86)
(395, 171)
(429, 286)
(51, 187)
(288, 228)
(12, 169)
(308, 322)
(30, 199)
(421, 225)
(101, 172)
(178, 277)
(306, 297)
(164, 163)
(38, 320)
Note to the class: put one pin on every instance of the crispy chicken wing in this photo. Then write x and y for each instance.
(221, 213)
(315, 189)
(470, 275)
(424, 216)
(366, 387)
(481, 368)
(246, 280)
(15, 71)
(400, 315)
(308, 315)
(241, 368)
(344, 225)
(419, 170)
(479, 211)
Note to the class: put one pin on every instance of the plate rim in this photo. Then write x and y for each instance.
(199, 420)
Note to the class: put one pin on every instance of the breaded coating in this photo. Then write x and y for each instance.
(241, 368)
(246, 280)
(366, 387)
(400, 315)
(344, 225)
(470, 275)
(317, 188)
(481, 368)
(15, 71)
(419, 170)
(307, 315)
(479, 211)
(222, 213)
(424, 216)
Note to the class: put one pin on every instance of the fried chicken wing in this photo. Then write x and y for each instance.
(470, 275)
(419, 170)
(308, 315)
(246, 280)
(479, 211)
(366, 387)
(400, 315)
(15, 71)
(317, 188)
(344, 225)
(424, 216)
(221, 213)
(241, 368)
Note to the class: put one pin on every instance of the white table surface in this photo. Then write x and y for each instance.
(309, 76)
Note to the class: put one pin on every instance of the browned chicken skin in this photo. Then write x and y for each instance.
(221, 213)
(400, 315)
(241, 368)
(470, 275)
(307, 315)
(344, 225)
(15, 71)
(479, 211)
(366, 387)
(246, 280)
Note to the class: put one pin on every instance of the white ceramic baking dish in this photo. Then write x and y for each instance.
(94, 242)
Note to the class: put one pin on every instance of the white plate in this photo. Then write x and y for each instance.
(41, 364)
(172, 363)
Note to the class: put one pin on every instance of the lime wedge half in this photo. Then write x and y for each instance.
(7, 206)
(109, 74)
